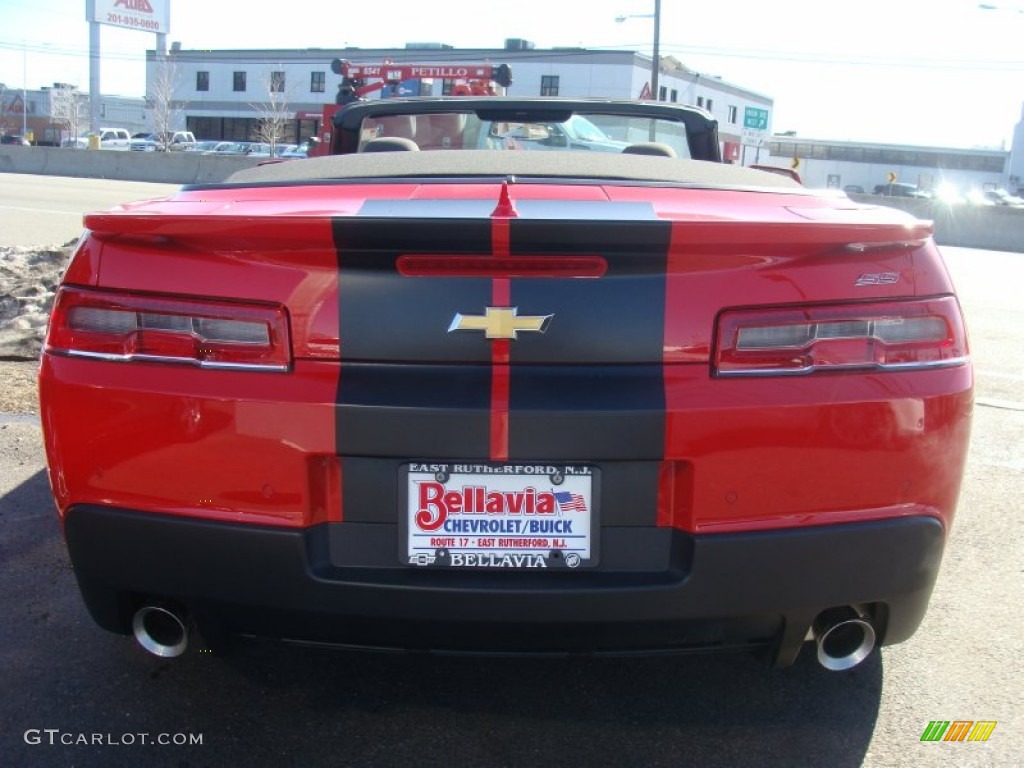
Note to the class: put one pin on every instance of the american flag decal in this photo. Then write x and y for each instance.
(570, 502)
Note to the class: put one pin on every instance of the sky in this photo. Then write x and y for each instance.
(921, 72)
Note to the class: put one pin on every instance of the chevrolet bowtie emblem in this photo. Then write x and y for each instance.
(500, 323)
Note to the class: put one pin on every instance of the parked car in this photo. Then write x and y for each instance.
(143, 142)
(263, 149)
(15, 139)
(167, 141)
(203, 146)
(505, 401)
(296, 150)
(109, 138)
(853, 189)
(997, 197)
(899, 189)
(230, 148)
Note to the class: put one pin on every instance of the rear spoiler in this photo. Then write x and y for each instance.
(789, 173)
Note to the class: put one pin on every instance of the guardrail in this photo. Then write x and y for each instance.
(996, 228)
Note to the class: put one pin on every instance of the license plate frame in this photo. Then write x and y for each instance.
(513, 516)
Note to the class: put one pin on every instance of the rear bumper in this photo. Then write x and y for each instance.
(657, 589)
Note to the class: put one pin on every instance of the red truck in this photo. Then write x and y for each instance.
(358, 80)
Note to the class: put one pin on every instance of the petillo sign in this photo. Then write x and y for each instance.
(143, 15)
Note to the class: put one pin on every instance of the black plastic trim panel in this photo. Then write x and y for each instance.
(654, 588)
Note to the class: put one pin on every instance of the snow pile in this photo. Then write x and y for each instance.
(28, 281)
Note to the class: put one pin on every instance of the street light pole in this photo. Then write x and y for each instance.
(656, 53)
(24, 93)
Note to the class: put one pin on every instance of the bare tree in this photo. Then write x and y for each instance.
(70, 110)
(166, 112)
(274, 113)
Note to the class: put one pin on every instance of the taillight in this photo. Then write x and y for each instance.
(798, 340)
(167, 329)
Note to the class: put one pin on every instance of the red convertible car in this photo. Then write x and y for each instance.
(442, 391)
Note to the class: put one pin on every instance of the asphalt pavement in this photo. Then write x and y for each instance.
(47, 210)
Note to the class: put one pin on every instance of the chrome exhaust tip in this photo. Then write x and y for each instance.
(844, 638)
(161, 630)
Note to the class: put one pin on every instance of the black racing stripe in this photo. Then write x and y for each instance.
(407, 387)
(592, 386)
(365, 239)
(414, 411)
(384, 316)
(618, 318)
(587, 413)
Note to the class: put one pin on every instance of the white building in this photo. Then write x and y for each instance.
(33, 111)
(1016, 170)
(218, 94)
(843, 164)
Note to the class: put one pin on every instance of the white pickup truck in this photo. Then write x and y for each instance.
(173, 141)
(109, 138)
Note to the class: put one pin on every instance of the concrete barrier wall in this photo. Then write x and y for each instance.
(160, 167)
(991, 227)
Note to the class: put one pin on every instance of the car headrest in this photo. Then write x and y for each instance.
(390, 144)
(650, 148)
(395, 125)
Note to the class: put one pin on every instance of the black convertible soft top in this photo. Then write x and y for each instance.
(551, 165)
(700, 127)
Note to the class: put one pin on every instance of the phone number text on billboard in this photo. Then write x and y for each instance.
(142, 15)
(150, 25)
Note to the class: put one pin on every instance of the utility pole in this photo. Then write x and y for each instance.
(94, 66)
(656, 61)
(24, 93)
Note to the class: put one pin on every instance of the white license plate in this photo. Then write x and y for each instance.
(512, 516)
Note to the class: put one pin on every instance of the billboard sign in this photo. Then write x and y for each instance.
(143, 15)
